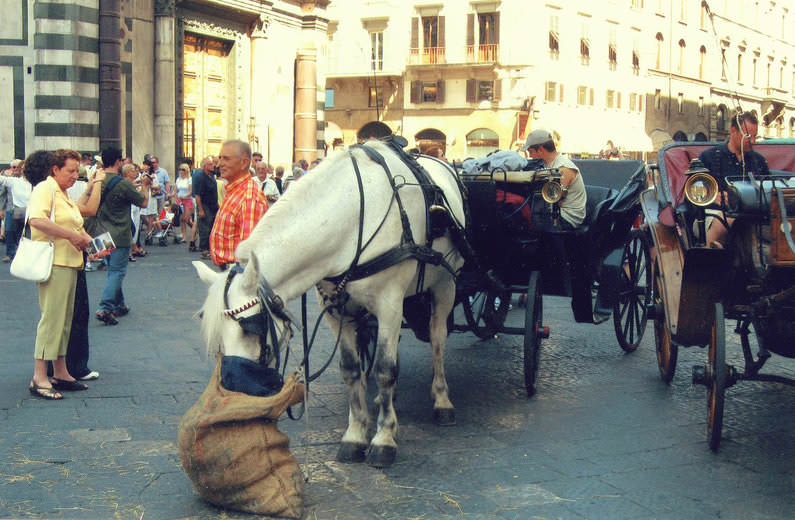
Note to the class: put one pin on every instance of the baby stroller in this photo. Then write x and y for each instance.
(166, 221)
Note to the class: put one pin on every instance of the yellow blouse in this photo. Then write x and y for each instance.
(67, 215)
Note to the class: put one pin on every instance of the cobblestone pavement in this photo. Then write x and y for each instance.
(603, 438)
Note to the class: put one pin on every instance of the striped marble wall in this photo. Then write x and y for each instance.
(66, 74)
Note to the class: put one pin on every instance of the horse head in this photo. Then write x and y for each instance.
(241, 316)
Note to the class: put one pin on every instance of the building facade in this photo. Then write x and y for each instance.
(191, 74)
(471, 76)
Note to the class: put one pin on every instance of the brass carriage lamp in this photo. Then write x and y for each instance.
(701, 188)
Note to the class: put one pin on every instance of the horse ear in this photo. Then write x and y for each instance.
(206, 274)
(251, 273)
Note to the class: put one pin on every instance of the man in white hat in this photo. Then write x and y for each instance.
(540, 144)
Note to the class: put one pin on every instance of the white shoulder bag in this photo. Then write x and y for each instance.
(33, 260)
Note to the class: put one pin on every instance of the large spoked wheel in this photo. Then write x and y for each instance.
(667, 350)
(716, 379)
(485, 312)
(629, 311)
(533, 314)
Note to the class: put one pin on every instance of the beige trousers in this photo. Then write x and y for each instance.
(57, 302)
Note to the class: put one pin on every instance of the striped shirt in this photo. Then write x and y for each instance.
(243, 206)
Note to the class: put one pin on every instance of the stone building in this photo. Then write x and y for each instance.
(186, 75)
(471, 76)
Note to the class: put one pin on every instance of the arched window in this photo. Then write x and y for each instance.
(660, 40)
(635, 62)
(682, 49)
(702, 61)
(704, 15)
(792, 127)
(701, 137)
(482, 142)
(720, 118)
(680, 137)
(780, 127)
(431, 142)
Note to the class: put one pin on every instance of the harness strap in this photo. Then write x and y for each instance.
(408, 237)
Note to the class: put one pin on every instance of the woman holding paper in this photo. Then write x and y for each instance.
(57, 294)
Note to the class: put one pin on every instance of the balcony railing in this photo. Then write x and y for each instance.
(484, 53)
(427, 56)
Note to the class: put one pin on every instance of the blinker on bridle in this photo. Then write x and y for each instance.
(262, 323)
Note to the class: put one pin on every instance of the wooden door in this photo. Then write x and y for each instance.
(206, 92)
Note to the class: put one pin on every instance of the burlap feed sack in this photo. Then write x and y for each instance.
(234, 453)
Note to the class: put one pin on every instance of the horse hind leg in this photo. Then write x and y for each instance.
(354, 441)
(444, 299)
(383, 448)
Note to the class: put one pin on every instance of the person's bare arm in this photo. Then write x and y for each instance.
(89, 201)
(567, 176)
(79, 239)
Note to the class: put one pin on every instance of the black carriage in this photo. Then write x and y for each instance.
(750, 279)
(604, 266)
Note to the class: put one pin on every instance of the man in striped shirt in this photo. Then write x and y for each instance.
(242, 207)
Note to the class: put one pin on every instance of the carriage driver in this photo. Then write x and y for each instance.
(734, 158)
(541, 145)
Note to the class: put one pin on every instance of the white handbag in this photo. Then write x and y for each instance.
(33, 260)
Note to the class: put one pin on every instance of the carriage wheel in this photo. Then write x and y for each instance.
(716, 379)
(533, 314)
(667, 350)
(485, 312)
(629, 311)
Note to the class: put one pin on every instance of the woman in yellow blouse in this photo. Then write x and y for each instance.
(57, 295)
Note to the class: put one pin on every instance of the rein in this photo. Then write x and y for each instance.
(408, 248)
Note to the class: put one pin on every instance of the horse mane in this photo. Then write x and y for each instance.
(285, 210)
(212, 314)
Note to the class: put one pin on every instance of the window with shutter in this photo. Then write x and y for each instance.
(497, 90)
(416, 92)
(440, 91)
(471, 85)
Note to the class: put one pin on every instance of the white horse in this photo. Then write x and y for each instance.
(312, 234)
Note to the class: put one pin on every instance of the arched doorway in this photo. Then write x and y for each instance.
(373, 130)
(431, 142)
(482, 142)
(680, 137)
(701, 137)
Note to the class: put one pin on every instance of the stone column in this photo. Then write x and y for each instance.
(260, 80)
(109, 74)
(306, 104)
(165, 137)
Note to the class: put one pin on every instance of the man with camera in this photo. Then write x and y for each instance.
(113, 216)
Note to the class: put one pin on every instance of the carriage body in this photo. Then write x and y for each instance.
(603, 266)
(751, 279)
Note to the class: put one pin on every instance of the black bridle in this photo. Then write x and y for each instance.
(262, 324)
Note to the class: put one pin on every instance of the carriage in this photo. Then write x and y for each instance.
(604, 266)
(751, 279)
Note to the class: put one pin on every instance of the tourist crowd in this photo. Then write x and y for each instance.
(71, 199)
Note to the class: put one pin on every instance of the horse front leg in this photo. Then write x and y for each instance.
(444, 299)
(383, 447)
(354, 442)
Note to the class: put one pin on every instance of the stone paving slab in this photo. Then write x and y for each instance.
(603, 438)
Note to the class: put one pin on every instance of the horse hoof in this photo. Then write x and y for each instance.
(381, 456)
(351, 452)
(444, 416)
